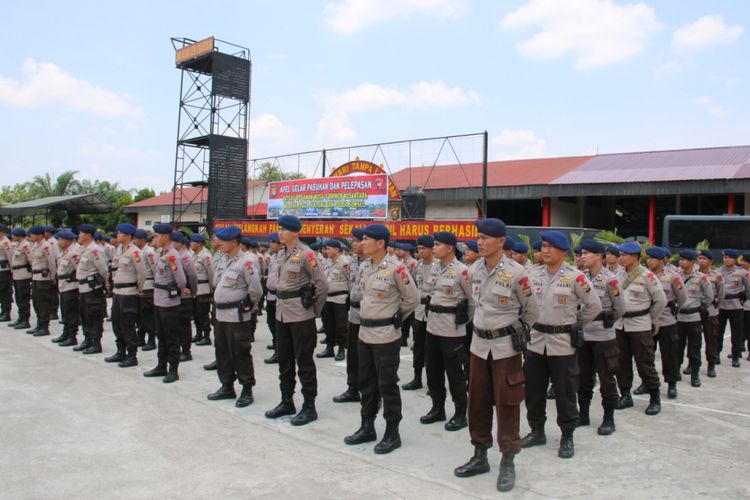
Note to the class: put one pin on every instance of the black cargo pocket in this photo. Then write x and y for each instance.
(514, 393)
(612, 359)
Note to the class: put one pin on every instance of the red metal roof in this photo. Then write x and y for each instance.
(257, 209)
(184, 196)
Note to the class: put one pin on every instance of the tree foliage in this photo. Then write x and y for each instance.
(270, 172)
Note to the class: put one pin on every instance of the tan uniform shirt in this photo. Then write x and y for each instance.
(204, 271)
(239, 278)
(735, 281)
(674, 291)
(700, 293)
(43, 264)
(299, 267)
(452, 285)
(355, 290)
(386, 289)
(559, 296)
(149, 266)
(337, 276)
(186, 256)
(66, 268)
(273, 277)
(643, 293)
(717, 283)
(424, 286)
(168, 270)
(6, 253)
(21, 261)
(502, 296)
(91, 262)
(218, 263)
(130, 275)
(609, 289)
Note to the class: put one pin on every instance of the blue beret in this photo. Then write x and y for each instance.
(87, 228)
(3, 227)
(556, 239)
(113, 234)
(706, 253)
(426, 241)
(613, 250)
(290, 223)
(578, 250)
(315, 246)
(377, 232)
(491, 227)
(18, 231)
(728, 252)
(140, 234)
(245, 240)
(66, 235)
(520, 247)
(163, 228)
(176, 236)
(99, 236)
(472, 245)
(358, 233)
(50, 229)
(333, 244)
(274, 237)
(509, 243)
(36, 230)
(655, 252)
(126, 228)
(229, 233)
(688, 254)
(445, 237)
(198, 238)
(630, 247)
(537, 245)
(254, 244)
(593, 246)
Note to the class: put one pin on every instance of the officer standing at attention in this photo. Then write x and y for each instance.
(146, 298)
(450, 307)
(44, 274)
(351, 395)
(237, 294)
(521, 254)
(403, 253)
(505, 308)
(218, 263)
(93, 278)
(425, 244)
(127, 283)
(736, 285)
(335, 312)
(181, 244)
(644, 303)
(710, 319)
(6, 280)
(271, 284)
(70, 253)
(471, 254)
(560, 290)
(599, 354)
(20, 267)
(537, 253)
(388, 295)
(613, 260)
(300, 295)
(204, 272)
(49, 237)
(169, 282)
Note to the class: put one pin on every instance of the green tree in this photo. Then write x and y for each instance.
(143, 194)
(270, 172)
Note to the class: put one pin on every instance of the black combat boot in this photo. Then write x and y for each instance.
(688, 370)
(477, 464)
(641, 389)
(246, 397)
(306, 415)
(116, 357)
(735, 361)
(414, 384)
(131, 359)
(33, 330)
(654, 405)
(158, 371)
(365, 434)
(63, 336)
(273, 359)
(340, 354)
(71, 340)
(226, 391)
(211, 366)
(672, 390)
(22, 325)
(391, 439)
(436, 414)
(5, 317)
(506, 479)
(326, 353)
(150, 343)
(186, 356)
(12, 324)
(172, 375)
(534, 438)
(583, 412)
(711, 370)
(351, 395)
(695, 378)
(457, 421)
(286, 407)
(551, 392)
(94, 348)
(43, 330)
(205, 339)
(608, 423)
(198, 335)
(84, 345)
(625, 401)
(566, 449)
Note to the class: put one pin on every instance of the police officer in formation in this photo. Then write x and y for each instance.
(710, 319)
(736, 286)
(422, 274)
(43, 275)
(6, 278)
(146, 338)
(335, 310)
(93, 279)
(272, 279)
(202, 262)
(67, 283)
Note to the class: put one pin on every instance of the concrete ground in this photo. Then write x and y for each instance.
(76, 427)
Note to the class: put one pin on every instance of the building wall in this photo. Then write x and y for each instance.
(449, 210)
(147, 217)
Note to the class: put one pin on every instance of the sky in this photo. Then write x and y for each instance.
(92, 86)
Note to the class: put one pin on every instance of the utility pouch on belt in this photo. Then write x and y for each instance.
(520, 337)
(704, 313)
(576, 335)
(462, 312)
(426, 302)
(742, 296)
(608, 319)
(673, 307)
(173, 291)
(307, 294)
(398, 320)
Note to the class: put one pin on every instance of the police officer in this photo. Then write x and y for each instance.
(169, 284)
(450, 307)
(264, 260)
(560, 290)
(521, 254)
(351, 395)
(181, 244)
(736, 285)
(710, 321)
(644, 303)
(700, 295)
(202, 304)
(425, 244)
(505, 308)
(537, 253)
(93, 279)
(300, 295)
(44, 273)
(599, 354)
(667, 339)
(146, 337)
(6, 279)
(471, 253)
(271, 284)
(404, 255)
(335, 311)
(68, 285)
(613, 260)
(388, 294)
(20, 266)
(237, 293)
(49, 237)
(128, 281)
(219, 260)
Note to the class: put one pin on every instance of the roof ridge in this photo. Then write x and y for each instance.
(675, 150)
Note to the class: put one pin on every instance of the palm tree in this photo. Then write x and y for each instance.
(46, 185)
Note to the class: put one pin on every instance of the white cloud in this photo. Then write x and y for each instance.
(335, 128)
(268, 134)
(668, 67)
(46, 84)
(708, 31)
(347, 17)
(711, 107)
(594, 32)
(90, 149)
(517, 144)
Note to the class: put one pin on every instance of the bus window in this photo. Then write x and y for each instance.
(720, 231)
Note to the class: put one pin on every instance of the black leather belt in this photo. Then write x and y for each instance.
(494, 334)
(229, 305)
(691, 310)
(635, 314)
(340, 292)
(170, 286)
(16, 268)
(728, 296)
(372, 323)
(39, 271)
(355, 304)
(553, 329)
(424, 301)
(442, 309)
(288, 294)
(201, 282)
(125, 285)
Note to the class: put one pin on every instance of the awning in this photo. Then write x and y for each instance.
(75, 204)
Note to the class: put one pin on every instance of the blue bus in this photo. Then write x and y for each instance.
(721, 231)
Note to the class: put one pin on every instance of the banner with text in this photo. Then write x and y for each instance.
(356, 197)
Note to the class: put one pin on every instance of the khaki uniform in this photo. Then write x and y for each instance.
(644, 293)
(699, 295)
(6, 280)
(450, 285)
(91, 274)
(70, 307)
(352, 331)
(127, 282)
(299, 267)
(169, 283)
(271, 284)
(609, 289)
(43, 274)
(20, 266)
(335, 312)
(736, 283)
(424, 285)
(204, 271)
